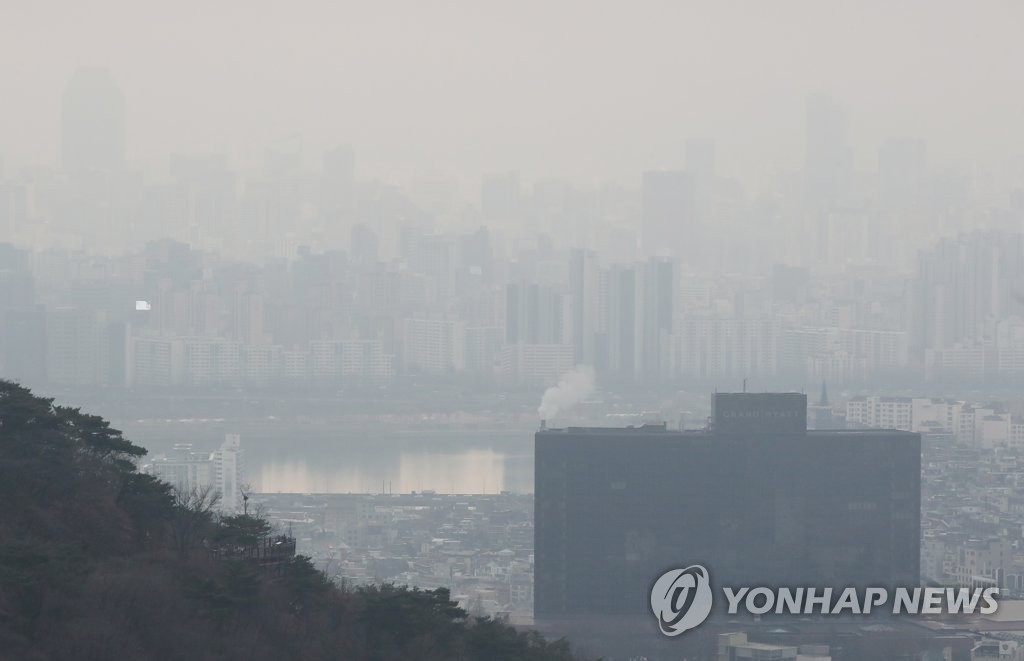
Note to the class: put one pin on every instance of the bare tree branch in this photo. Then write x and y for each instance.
(195, 507)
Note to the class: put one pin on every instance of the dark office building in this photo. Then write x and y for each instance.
(756, 498)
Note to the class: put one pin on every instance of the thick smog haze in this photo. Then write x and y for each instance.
(575, 316)
(586, 90)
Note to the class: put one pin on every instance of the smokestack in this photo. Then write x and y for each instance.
(543, 424)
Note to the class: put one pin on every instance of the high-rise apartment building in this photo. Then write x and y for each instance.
(962, 283)
(222, 472)
(660, 287)
(624, 336)
(584, 286)
(535, 314)
(77, 347)
(434, 346)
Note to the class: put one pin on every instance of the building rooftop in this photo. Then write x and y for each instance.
(663, 430)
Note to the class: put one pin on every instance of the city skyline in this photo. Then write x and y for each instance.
(347, 73)
(563, 315)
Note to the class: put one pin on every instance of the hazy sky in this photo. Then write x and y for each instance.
(585, 89)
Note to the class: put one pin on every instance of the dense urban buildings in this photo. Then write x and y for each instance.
(755, 271)
(288, 274)
(212, 323)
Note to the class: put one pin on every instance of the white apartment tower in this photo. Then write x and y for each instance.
(222, 470)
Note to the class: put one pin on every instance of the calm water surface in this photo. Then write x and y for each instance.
(315, 457)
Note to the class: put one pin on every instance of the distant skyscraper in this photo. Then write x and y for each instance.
(92, 122)
(228, 473)
(902, 164)
(535, 314)
(660, 289)
(828, 162)
(962, 283)
(584, 283)
(22, 320)
(77, 345)
(668, 212)
(625, 322)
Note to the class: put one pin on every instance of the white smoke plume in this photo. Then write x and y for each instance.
(573, 386)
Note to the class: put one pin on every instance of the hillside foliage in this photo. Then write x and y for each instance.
(99, 561)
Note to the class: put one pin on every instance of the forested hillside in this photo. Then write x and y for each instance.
(99, 561)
